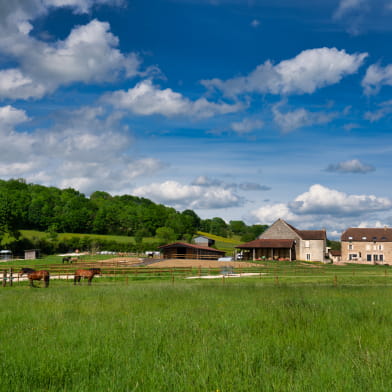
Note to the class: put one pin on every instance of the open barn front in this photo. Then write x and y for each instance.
(263, 249)
(182, 250)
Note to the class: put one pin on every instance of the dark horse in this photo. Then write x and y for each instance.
(86, 274)
(69, 259)
(35, 275)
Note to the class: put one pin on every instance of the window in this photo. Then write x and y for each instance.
(368, 247)
(308, 258)
(352, 256)
(307, 244)
(374, 247)
(350, 238)
(374, 239)
(380, 247)
(381, 257)
(375, 257)
(364, 238)
(368, 257)
(350, 247)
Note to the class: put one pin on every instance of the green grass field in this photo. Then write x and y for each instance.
(300, 333)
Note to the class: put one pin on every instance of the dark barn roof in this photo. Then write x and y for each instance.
(192, 246)
(267, 243)
(367, 234)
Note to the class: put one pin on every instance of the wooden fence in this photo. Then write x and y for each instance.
(276, 271)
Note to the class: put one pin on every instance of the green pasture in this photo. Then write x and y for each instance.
(287, 330)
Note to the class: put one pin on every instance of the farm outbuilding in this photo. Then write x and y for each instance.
(5, 255)
(31, 254)
(335, 255)
(183, 250)
(204, 241)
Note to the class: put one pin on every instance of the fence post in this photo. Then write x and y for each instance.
(126, 279)
(11, 276)
(4, 278)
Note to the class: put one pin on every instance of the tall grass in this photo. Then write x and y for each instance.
(199, 336)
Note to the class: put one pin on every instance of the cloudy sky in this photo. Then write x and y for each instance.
(243, 109)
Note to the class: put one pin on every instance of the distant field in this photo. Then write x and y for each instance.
(245, 335)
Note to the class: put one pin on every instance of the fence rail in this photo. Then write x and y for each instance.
(277, 272)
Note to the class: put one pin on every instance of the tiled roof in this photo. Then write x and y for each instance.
(367, 234)
(266, 243)
(193, 246)
(335, 252)
(312, 234)
(309, 234)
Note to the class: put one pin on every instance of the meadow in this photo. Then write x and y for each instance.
(247, 334)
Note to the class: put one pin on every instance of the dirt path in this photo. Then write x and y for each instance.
(172, 263)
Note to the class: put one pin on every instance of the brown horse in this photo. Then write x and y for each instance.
(35, 275)
(86, 274)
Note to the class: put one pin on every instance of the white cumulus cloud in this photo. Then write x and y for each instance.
(86, 149)
(189, 196)
(147, 99)
(321, 207)
(89, 54)
(304, 74)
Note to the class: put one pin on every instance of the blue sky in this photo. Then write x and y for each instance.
(252, 110)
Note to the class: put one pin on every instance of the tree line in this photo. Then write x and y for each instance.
(37, 207)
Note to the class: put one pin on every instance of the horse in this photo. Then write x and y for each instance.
(69, 259)
(86, 274)
(35, 275)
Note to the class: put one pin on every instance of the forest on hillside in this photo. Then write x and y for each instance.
(54, 210)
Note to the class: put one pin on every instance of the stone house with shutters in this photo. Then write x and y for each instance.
(367, 245)
(282, 241)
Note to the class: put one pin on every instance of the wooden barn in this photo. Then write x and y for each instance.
(183, 250)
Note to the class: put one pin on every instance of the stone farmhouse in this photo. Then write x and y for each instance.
(281, 241)
(367, 245)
